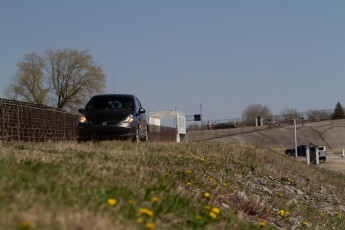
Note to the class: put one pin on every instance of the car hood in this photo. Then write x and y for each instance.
(106, 115)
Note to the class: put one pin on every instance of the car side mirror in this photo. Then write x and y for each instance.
(141, 110)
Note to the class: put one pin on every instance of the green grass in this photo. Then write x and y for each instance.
(67, 186)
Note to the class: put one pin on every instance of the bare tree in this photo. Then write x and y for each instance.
(290, 114)
(73, 77)
(255, 110)
(60, 78)
(29, 83)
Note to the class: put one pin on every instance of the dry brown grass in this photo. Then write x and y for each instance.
(66, 185)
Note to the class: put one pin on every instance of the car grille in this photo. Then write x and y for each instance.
(112, 133)
(105, 122)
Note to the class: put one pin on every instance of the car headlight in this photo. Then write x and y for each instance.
(82, 119)
(128, 119)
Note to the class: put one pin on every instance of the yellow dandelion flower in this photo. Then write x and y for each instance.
(146, 212)
(305, 222)
(198, 217)
(189, 183)
(154, 199)
(202, 159)
(213, 215)
(262, 224)
(322, 214)
(215, 210)
(150, 225)
(287, 213)
(210, 178)
(131, 202)
(25, 225)
(281, 213)
(189, 171)
(112, 202)
(207, 207)
(207, 195)
(139, 220)
(225, 184)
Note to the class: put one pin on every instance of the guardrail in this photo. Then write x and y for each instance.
(270, 121)
(197, 135)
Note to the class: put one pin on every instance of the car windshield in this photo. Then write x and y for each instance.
(111, 103)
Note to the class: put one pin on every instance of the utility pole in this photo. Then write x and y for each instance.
(294, 123)
(114, 84)
(200, 113)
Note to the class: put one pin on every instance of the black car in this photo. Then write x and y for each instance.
(112, 116)
(301, 151)
(223, 126)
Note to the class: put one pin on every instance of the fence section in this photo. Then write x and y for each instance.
(22, 121)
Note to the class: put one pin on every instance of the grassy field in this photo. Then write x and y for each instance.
(199, 185)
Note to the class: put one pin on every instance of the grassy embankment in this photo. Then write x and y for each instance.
(204, 185)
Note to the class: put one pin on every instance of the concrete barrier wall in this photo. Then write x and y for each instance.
(22, 121)
(218, 133)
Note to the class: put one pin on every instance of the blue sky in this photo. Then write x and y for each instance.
(224, 55)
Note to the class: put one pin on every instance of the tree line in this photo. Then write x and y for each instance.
(258, 110)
